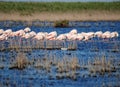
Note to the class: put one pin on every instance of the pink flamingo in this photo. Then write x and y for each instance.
(106, 35)
(114, 34)
(32, 33)
(19, 35)
(61, 37)
(8, 32)
(1, 31)
(98, 34)
(52, 35)
(80, 37)
(27, 29)
(74, 31)
(3, 37)
(73, 37)
(39, 36)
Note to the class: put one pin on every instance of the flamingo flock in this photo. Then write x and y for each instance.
(72, 35)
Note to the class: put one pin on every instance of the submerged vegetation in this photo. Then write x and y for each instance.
(28, 8)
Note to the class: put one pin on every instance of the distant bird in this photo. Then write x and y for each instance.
(73, 37)
(74, 31)
(38, 36)
(3, 37)
(1, 31)
(8, 32)
(20, 33)
(80, 37)
(106, 35)
(114, 34)
(61, 37)
(98, 34)
(27, 36)
(27, 29)
(52, 35)
(32, 34)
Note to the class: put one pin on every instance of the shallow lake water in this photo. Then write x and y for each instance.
(86, 54)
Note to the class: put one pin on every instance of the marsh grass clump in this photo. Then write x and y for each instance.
(21, 61)
(74, 64)
(62, 23)
(67, 68)
(101, 66)
(57, 68)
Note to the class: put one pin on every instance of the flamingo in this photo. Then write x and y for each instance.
(27, 29)
(21, 33)
(80, 37)
(91, 34)
(61, 37)
(114, 34)
(73, 37)
(85, 35)
(41, 35)
(72, 34)
(98, 34)
(74, 31)
(32, 33)
(8, 32)
(38, 36)
(17, 36)
(52, 35)
(106, 35)
(27, 36)
(3, 37)
(1, 31)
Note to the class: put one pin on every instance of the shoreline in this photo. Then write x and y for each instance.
(58, 16)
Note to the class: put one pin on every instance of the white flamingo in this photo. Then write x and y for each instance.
(19, 33)
(85, 35)
(1, 31)
(38, 36)
(32, 33)
(114, 34)
(27, 29)
(98, 34)
(80, 37)
(52, 35)
(73, 37)
(74, 31)
(3, 37)
(8, 32)
(61, 37)
(106, 35)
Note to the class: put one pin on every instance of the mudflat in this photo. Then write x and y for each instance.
(89, 15)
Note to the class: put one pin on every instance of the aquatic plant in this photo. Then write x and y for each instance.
(21, 61)
(101, 66)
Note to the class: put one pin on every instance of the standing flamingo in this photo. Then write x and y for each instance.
(27, 29)
(114, 34)
(74, 31)
(61, 37)
(52, 35)
(1, 31)
(80, 37)
(106, 35)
